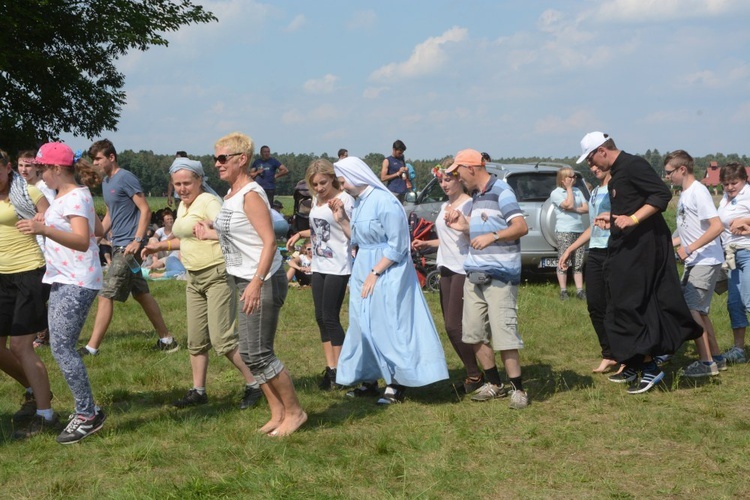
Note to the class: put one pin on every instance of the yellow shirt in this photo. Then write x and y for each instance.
(194, 253)
(18, 252)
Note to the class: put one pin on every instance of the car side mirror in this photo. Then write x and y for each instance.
(411, 197)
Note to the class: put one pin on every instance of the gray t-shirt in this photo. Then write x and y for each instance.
(118, 193)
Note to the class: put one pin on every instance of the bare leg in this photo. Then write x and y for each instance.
(713, 346)
(151, 308)
(739, 337)
(294, 416)
(104, 310)
(578, 280)
(512, 362)
(562, 279)
(10, 365)
(332, 354)
(236, 359)
(199, 367)
(701, 343)
(277, 408)
(23, 349)
(485, 356)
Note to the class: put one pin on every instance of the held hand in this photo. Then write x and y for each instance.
(681, 253)
(251, 297)
(368, 287)
(337, 207)
(39, 217)
(292, 240)
(739, 226)
(454, 219)
(149, 249)
(201, 228)
(602, 220)
(623, 221)
(483, 241)
(419, 244)
(29, 226)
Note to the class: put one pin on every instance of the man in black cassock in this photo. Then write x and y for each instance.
(646, 312)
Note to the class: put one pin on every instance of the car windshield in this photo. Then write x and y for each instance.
(537, 186)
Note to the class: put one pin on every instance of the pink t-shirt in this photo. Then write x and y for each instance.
(65, 265)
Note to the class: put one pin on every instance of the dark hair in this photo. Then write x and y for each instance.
(343, 152)
(104, 146)
(486, 157)
(680, 158)
(26, 153)
(265, 147)
(86, 173)
(732, 171)
(181, 154)
(609, 144)
(399, 144)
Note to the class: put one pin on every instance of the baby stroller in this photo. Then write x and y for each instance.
(424, 262)
(302, 206)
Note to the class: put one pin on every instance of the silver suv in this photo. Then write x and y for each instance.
(532, 184)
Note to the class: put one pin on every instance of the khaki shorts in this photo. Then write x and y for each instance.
(120, 281)
(211, 311)
(698, 283)
(491, 316)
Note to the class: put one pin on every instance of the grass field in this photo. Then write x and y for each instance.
(582, 436)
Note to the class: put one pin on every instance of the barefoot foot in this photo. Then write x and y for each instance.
(605, 366)
(292, 422)
(270, 426)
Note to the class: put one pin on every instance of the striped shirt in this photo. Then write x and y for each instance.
(492, 211)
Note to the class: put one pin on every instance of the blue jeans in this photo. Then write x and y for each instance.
(738, 299)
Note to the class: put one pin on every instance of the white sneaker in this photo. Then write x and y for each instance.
(489, 391)
(735, 355)
(518, 400)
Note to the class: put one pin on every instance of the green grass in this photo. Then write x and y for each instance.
(582, 437)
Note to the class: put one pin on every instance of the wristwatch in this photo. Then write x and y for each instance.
(138, 239)
(496, 236)
(376, 273)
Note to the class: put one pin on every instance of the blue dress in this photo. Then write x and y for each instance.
(391, 334)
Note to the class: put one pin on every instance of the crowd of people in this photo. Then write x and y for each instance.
(358, 240)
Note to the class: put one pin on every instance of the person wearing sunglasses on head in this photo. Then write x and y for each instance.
(570, 205)
(646, 313)
(300, 266)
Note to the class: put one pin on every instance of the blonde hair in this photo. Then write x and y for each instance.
(563, 173)
(324, 167)
(238, 143)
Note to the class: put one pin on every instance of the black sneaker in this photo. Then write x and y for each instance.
(563, 295)
(581, 295)
(80, 427)
(649, 379)
(82, 351)
(366, 389)
(394, 398)
(167, 348)
(37, 425)
(627, 375)
(251, 397)
(28, 409)
(325, 382)
(192, 398)
(470, 385)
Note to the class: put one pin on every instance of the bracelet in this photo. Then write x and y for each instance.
(376, 273)
(635, 219)
(261, 278)
(169, 245)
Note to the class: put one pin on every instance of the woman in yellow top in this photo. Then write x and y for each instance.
(23, 299)
(211, 300)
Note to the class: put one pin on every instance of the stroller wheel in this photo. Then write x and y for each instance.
(432, 281)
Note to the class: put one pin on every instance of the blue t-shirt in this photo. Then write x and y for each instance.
(492, 211)
(599, 204)
(118, 192)
(267, 178)
(567, 221)
(398, 184)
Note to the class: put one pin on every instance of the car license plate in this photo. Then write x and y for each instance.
(548, 262)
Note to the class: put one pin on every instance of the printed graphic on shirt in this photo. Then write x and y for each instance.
(320, 245)
(231, 253)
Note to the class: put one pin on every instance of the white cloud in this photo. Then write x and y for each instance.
(669, 10)
(427, 58)
(374, 92)
(320, 114)
(553, 124)
(363, 20)
(324, 85)
(739, 73)
(296, 23)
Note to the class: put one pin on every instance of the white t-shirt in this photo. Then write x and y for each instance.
(65, 265)
(240, 242)
(454, 245)
(331, 248)
(694, 210)
(48, 192)
(161, 235)
(737, 208)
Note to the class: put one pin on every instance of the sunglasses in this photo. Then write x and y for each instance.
(308, 249)
(222, 159)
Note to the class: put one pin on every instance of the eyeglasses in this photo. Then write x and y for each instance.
(571, 176)
(222, 159)
(591, 155)
(670, 172)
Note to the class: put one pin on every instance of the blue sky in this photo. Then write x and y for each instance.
(514, 78)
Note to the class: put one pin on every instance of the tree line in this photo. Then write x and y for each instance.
(153, 169)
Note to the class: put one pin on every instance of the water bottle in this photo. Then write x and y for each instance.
(133, 264)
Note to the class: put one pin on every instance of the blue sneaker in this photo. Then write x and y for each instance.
(649, 379)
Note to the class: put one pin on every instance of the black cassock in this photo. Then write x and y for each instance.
(646, 311)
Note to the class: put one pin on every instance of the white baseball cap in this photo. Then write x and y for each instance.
(590, 142)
